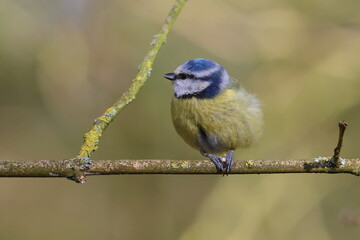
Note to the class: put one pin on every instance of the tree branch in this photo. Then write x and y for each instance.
(91, 138)
(63, 168)
(86, 167)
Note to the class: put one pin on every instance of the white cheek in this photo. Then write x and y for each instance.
(203, 85)
(189, 86)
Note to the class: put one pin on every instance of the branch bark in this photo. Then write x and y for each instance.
(63, 168)
(86, 167)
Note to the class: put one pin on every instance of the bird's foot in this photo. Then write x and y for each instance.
(216, 160)
(229, 160)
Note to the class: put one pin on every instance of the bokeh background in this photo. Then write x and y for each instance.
(62, 63)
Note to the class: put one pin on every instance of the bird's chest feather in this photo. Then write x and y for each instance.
(210, 124)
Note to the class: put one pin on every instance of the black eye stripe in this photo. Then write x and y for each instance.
(184, 76)
(181, 76)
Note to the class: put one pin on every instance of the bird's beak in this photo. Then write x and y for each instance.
(170, 76)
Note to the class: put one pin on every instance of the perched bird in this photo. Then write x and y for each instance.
(212, 113)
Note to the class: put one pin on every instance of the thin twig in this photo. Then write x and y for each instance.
(91, 138)
(334, 162)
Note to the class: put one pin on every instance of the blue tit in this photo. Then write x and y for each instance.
(212, 113)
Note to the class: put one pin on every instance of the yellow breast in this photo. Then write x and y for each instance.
(230, 120)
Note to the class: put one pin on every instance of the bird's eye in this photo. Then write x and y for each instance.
(182, 76)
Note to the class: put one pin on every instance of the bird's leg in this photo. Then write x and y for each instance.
(229, 162)
(216, 160)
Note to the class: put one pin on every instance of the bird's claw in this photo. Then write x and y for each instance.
(229, 160)
(216, 160)
(223, 167)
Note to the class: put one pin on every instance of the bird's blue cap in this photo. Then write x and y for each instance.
(199, 64)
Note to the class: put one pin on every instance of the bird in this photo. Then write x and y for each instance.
(212, 112)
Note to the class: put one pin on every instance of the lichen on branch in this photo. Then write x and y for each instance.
(91, 138)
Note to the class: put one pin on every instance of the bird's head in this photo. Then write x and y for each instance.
(200, 78)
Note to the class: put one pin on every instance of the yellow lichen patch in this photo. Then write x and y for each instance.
(148, 64)
(318, 159)
(108, 116)
(138, 78)
(249, 164)
(185, 164)
(105, 118)
(91, 141)
(111, 111)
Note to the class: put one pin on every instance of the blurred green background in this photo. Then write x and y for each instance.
(62, 63)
